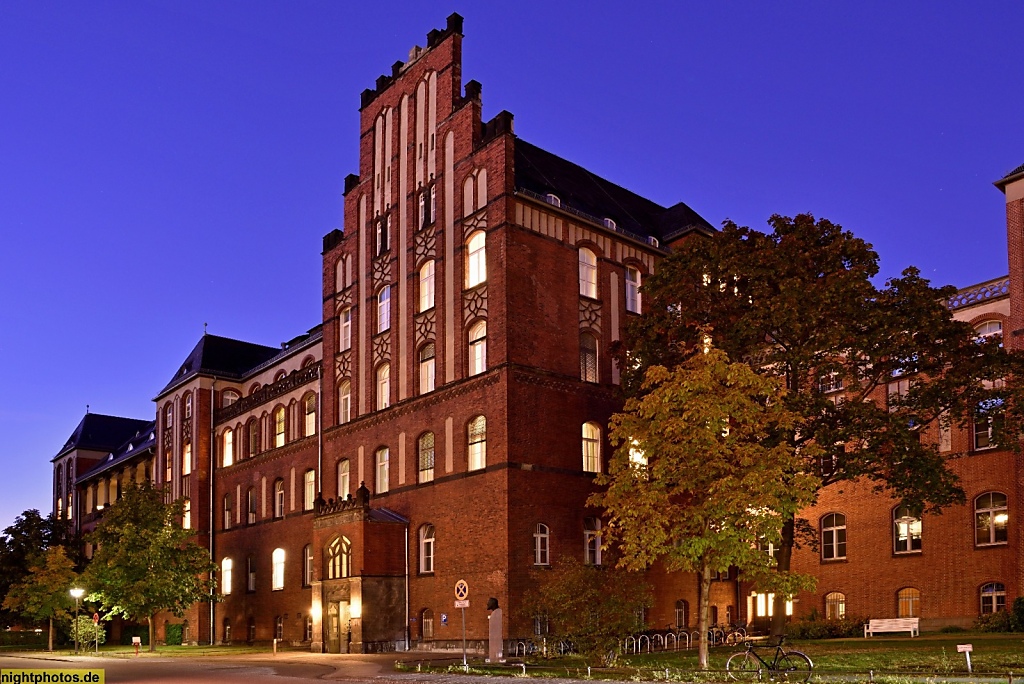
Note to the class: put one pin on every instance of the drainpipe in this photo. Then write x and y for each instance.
(319, 430)
(407, 640)
(213, 451)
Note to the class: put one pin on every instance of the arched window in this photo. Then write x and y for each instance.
(309, 490)
(383, 386)
(478, 348)
(250, 573)
(592, 541)
(427, 549)
(541, 545)
(343, 478)
(988, 329)
(227, 512)
(228, 450)
(188, 405)
(835, 606)
(254, 437)
(477, 441)
(307, 565)
(906, 530)
(250, 506)
(168, 415)
(280, 375)
(426, 457)
(225, 576)
(682, 614)
(908, 602)
(588, 273)
(309, 409)
(591, 448)
(476, 260)
(993, 597)
(186, 516)
(344, 402)
(384, 309)
(279, 426)
(833, 536)
(426, 286)
(427, 368)
(277, 576)
(632, 289)
(229, 397)
(345, 330)
(338, 558)
(383, 459)
(588, 357)
(278, 498)
(990, 519)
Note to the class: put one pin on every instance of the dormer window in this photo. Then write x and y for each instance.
(610, 223)
(553, 200)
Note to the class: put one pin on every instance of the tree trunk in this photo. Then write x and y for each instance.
(49, 639)
(702, 615)
(785, 557)
(152, 633)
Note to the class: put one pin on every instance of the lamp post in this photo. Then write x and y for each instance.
(77, 593)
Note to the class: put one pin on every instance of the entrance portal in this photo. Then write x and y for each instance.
(338, 627)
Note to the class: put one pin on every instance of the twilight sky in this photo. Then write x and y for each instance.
(165, 163)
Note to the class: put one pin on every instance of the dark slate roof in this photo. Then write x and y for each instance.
(538, 171)
(223, 357)
(387, 515)
(98, 432)
(143, 440)
(1010, 176)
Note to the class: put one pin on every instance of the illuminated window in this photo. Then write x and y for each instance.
(307, 565)
(592, 541)
(478, 348)
(383, 469)
(906, 530)
(632, 289)
(186, 459)
(277, 576)
(588, 273)
(476, 262)
(990, 519)
(279, 426)
(229, 397)
(309, 409)
(908, 603)
(343, 478)
(278, 498)
(228, 450)
(987, 329)
(225, 576)
(426, 457)
(227, 511)
(427, 549)
(186, 516)
(345, 330)
(384, 309)
(426, 286)
(993, 597)
(427, 368)
(477, 433)
(591, 448)
(541, 544)
(309, 490)
(383, 386)
(833, 536)
(344, 402)
(835, 606)
(338, 558)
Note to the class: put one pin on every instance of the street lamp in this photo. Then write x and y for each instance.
(77, 593)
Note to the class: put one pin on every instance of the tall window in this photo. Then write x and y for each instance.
(908, 603)
(632, 289)
(835, 606)
(279, 627)
(384, 309)
(588, 273)
(225, 576)
(383, 469)
(343, 478)
(383, 234)
(277, 576)
(345, 330)
(254, 437)
(478, 348)
(228, 450)
(993, 597)
(990, 519)
(344, 402)
(278, 498)
(250, 573)
(309, 409)
(682, 614)
(250, 506)
(186, 516)
(186, 459)
(383, 386)
(591, 448)
(592, 541)
(307, 565)
(426, 457)
(309, 490)
(427, 205)
(227, 512)
(338, 557)
(477, 433)
(906, 530)
(188, 406)
(426, 286)
(984, 424)
(541, 545)
(169, 416)
(476, 262)
(427, 368)
(279, 426)
(833, 536)
(427, 620)
(588, 357)
(427, 548)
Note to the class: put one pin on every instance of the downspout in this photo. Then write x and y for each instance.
(407, 641)
(319, 430)
(213, 449)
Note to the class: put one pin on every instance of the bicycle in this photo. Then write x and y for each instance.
(785, 666)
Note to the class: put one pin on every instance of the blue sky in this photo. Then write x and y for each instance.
(169, 164)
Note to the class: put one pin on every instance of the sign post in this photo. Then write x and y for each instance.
(96, 621)
(462, 602)
(966, 650)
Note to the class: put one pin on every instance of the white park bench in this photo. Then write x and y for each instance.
(892, 625)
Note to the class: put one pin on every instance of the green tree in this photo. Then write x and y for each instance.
(799, 303)
(22, 544)
(703, 475)
(591, 606)
(145, 562)
(45, 593)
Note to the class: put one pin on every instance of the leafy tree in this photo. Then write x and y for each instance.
(45, 593)
(22, 544)
(703, 475)
(88, 631)
(145, 562)
(799, 303)
(591, 606)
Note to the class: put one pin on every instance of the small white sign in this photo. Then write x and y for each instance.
(964, 648)
(462, 604)
(136, 641)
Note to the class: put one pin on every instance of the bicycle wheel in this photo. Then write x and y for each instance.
(794, 666)
(743, 667)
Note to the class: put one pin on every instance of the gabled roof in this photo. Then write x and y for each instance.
(141, 441)
(541, 172)
(222, 357)
(97, 432)
(1008, 178)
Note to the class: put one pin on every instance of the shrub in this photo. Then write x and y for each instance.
(998, 621)
(129, 631)
(173, 635)
(952, 629)
(88, 631)
(813, 627)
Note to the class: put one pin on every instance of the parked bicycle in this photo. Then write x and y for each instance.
(785, 666)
